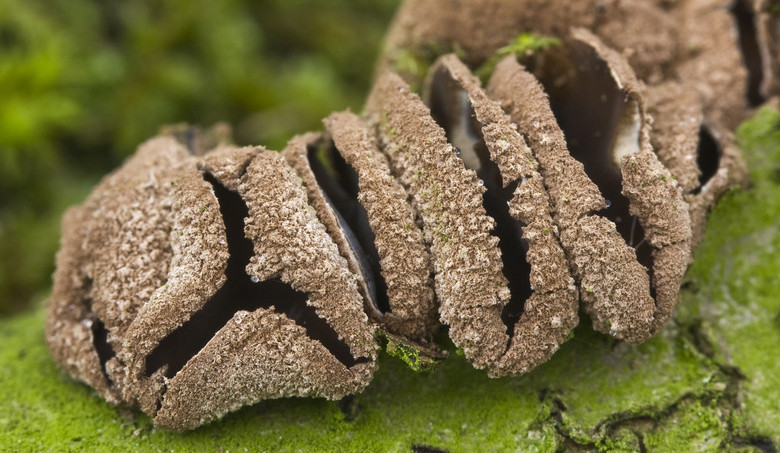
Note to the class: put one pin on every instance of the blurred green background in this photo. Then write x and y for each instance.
(83, 82)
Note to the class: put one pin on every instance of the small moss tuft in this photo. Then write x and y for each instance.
(413, 356)
(523, 46)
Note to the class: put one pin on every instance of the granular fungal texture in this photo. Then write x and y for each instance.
(354, 192)
(658, 85)
(767, 23)
(707, 45)
(243, 296)
(404, 260)
(297, 154)
(612, 282)
(542, 308)
(466, 259)
(702, 64)
(201, 277)
(600, 105)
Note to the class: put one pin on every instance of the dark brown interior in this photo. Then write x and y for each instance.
(103, 348)
(452, 110)
(100, 341)
(241, 292)
(707, 157)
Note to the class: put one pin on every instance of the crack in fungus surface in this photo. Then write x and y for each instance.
(707, 157)
(745, 20)
(339, 182)
(102, 347)
(241, 292)
(421, 448)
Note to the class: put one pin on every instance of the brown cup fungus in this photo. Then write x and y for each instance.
(193, 285)
(201, 277)
(628, 285)
(668, 79)
(466, 260)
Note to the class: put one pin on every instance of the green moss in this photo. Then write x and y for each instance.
(418, 357)
(410, 355)
(623, 440)
(734, 290)
(323, 156)
(694, 426)
(525, 45)
(412, 66)
(591, 383)
(453, 407)
(600, 381)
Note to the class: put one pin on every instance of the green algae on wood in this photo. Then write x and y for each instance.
(454, 407)
(696, 426)
(734, 274)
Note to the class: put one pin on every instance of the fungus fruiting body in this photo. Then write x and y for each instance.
(201, 277)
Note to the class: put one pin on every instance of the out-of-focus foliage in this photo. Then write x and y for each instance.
(83, 82)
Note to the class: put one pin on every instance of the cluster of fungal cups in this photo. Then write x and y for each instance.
(201, 277)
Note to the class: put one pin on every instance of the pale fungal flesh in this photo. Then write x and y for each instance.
(201, 277)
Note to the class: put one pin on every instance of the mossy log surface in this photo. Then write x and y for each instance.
(710, 381)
